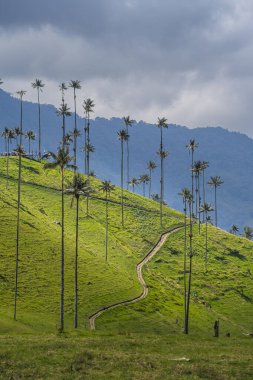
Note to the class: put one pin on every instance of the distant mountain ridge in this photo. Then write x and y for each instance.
(229, 155)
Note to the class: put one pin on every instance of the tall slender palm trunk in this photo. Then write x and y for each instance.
(215, 202)
(88, 159)
(196, 196)
(17, 237)
(127, 142)
(38, 89)
(18, 213)
(29, 146)
(192, 183)
(206, 257)
(185, 248)
(7, 160)
(106, 228)
(189, 278)
(150, 176)
(203, 191)
(7, 163)
(76, 266)
(199, 202)
(62, 254)
(88, 143)
(63, 130)
(122, 181)
(85, 146)
(161, 192)
(161, 180)
(75, 137)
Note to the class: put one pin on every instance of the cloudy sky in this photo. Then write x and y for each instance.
(188, 60)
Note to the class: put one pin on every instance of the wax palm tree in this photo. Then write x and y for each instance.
(85, 144)
(88, 106)
(30, 135)
(75, 134)
(234, 229)
(68, 139)
(106, 187)
(128, 123)
(78, 187)
(88, 148)
(197, 169)
(205, 165)
(11, 136)
(76, 85)
(63, 88)
(163, 154)
(151, 165)
(5, 135)
(161, 124)
(63, 111)
(188, 292)
(248, 232)
(134, 182)
(61, 160)
(21, 94)
(186, 196)
(206, 208)
(20, 152)
(38, 85)
(215, 182)
(122, 136)
(8, 135)
(192, 146)
(17, 132)
(144, 179)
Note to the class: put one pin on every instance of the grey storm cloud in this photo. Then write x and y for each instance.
(189, 60)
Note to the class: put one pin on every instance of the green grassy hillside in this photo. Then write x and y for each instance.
(225, 292)
(141, 341)
(100, 283)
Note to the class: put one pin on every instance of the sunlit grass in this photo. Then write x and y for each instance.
(139, 341)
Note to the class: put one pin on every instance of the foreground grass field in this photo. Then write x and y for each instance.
(140, 341)
(132, 356)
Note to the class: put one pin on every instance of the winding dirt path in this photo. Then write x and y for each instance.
(140, 265)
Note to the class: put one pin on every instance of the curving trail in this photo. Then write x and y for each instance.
(140, 265)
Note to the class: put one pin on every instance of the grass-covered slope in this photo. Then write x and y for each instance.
(100, 283)
(224, 292)
(140, 341)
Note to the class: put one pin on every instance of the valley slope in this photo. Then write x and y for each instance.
(228, 281)
(139, 341)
